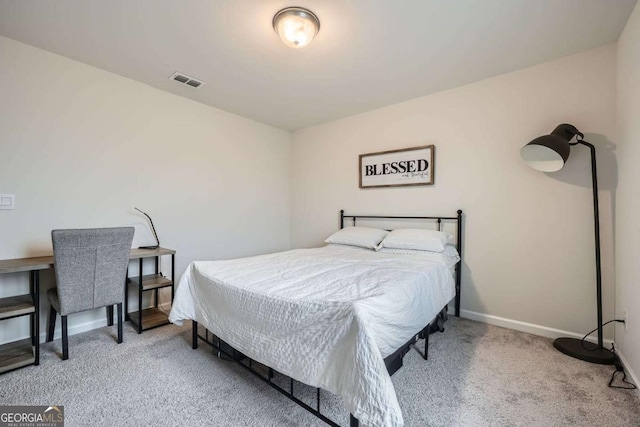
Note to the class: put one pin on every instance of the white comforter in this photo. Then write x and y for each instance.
(326, 317)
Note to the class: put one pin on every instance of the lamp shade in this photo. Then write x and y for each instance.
(549, 153)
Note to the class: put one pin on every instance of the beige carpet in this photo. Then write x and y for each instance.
(477, 375)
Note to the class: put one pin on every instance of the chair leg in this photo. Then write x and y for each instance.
(65, 339)
(52, 323)
(119, 322)
(109, 315)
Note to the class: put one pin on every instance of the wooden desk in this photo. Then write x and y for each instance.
(45, 262)
(26, 264)
(26, 352)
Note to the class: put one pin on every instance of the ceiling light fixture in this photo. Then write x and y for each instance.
(296, 26)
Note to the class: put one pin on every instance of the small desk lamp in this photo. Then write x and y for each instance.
(157, 245)
(549, 153)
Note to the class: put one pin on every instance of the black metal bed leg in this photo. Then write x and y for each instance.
(353, 421)
(426, 346)
(229, 352)
(194, 334)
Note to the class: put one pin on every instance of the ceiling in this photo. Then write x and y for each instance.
(368, 53)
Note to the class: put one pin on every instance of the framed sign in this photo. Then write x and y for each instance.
(395, 168)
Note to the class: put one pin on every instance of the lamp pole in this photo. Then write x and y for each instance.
(573, 347)
(596, 217)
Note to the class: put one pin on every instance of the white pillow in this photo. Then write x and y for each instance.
(449, 257)
(418, 239)
(364, 237)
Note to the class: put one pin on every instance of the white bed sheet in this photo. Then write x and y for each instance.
(326, 317)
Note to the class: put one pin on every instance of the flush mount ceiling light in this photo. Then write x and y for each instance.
(296, 26)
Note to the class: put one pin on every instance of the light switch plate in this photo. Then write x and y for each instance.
(7, 201)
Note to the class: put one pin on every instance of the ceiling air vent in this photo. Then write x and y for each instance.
(184, 79)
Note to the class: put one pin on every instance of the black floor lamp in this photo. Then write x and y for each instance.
(549, 153)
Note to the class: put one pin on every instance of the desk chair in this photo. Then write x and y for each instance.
(90, 267)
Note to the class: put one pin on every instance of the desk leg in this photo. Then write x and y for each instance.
(36, 321)
(126, 297)
(32, 316)
(32, 332)
(140, 299)
(173, 276)
(157, 291)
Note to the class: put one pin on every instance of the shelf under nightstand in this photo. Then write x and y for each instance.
(154, 316)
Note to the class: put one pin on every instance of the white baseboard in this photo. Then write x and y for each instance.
(630, 372)
(517, 325)
(530, 328)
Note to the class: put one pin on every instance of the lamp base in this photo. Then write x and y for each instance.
(587, 351)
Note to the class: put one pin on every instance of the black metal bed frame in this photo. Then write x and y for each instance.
(393, 362)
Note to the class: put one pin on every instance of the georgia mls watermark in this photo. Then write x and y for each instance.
(31, 416)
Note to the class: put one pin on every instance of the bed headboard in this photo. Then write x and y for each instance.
(438, 221)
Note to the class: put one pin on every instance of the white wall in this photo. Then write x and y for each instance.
(627, 198)
(529, 252)
(73, 161)
(80, 147)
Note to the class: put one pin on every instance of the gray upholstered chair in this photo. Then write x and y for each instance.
(91, 268)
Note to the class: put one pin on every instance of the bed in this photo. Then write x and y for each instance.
(338, 318)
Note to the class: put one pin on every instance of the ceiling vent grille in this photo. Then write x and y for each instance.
(184, 79)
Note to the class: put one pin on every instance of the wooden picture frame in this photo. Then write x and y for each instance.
(398, 168)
